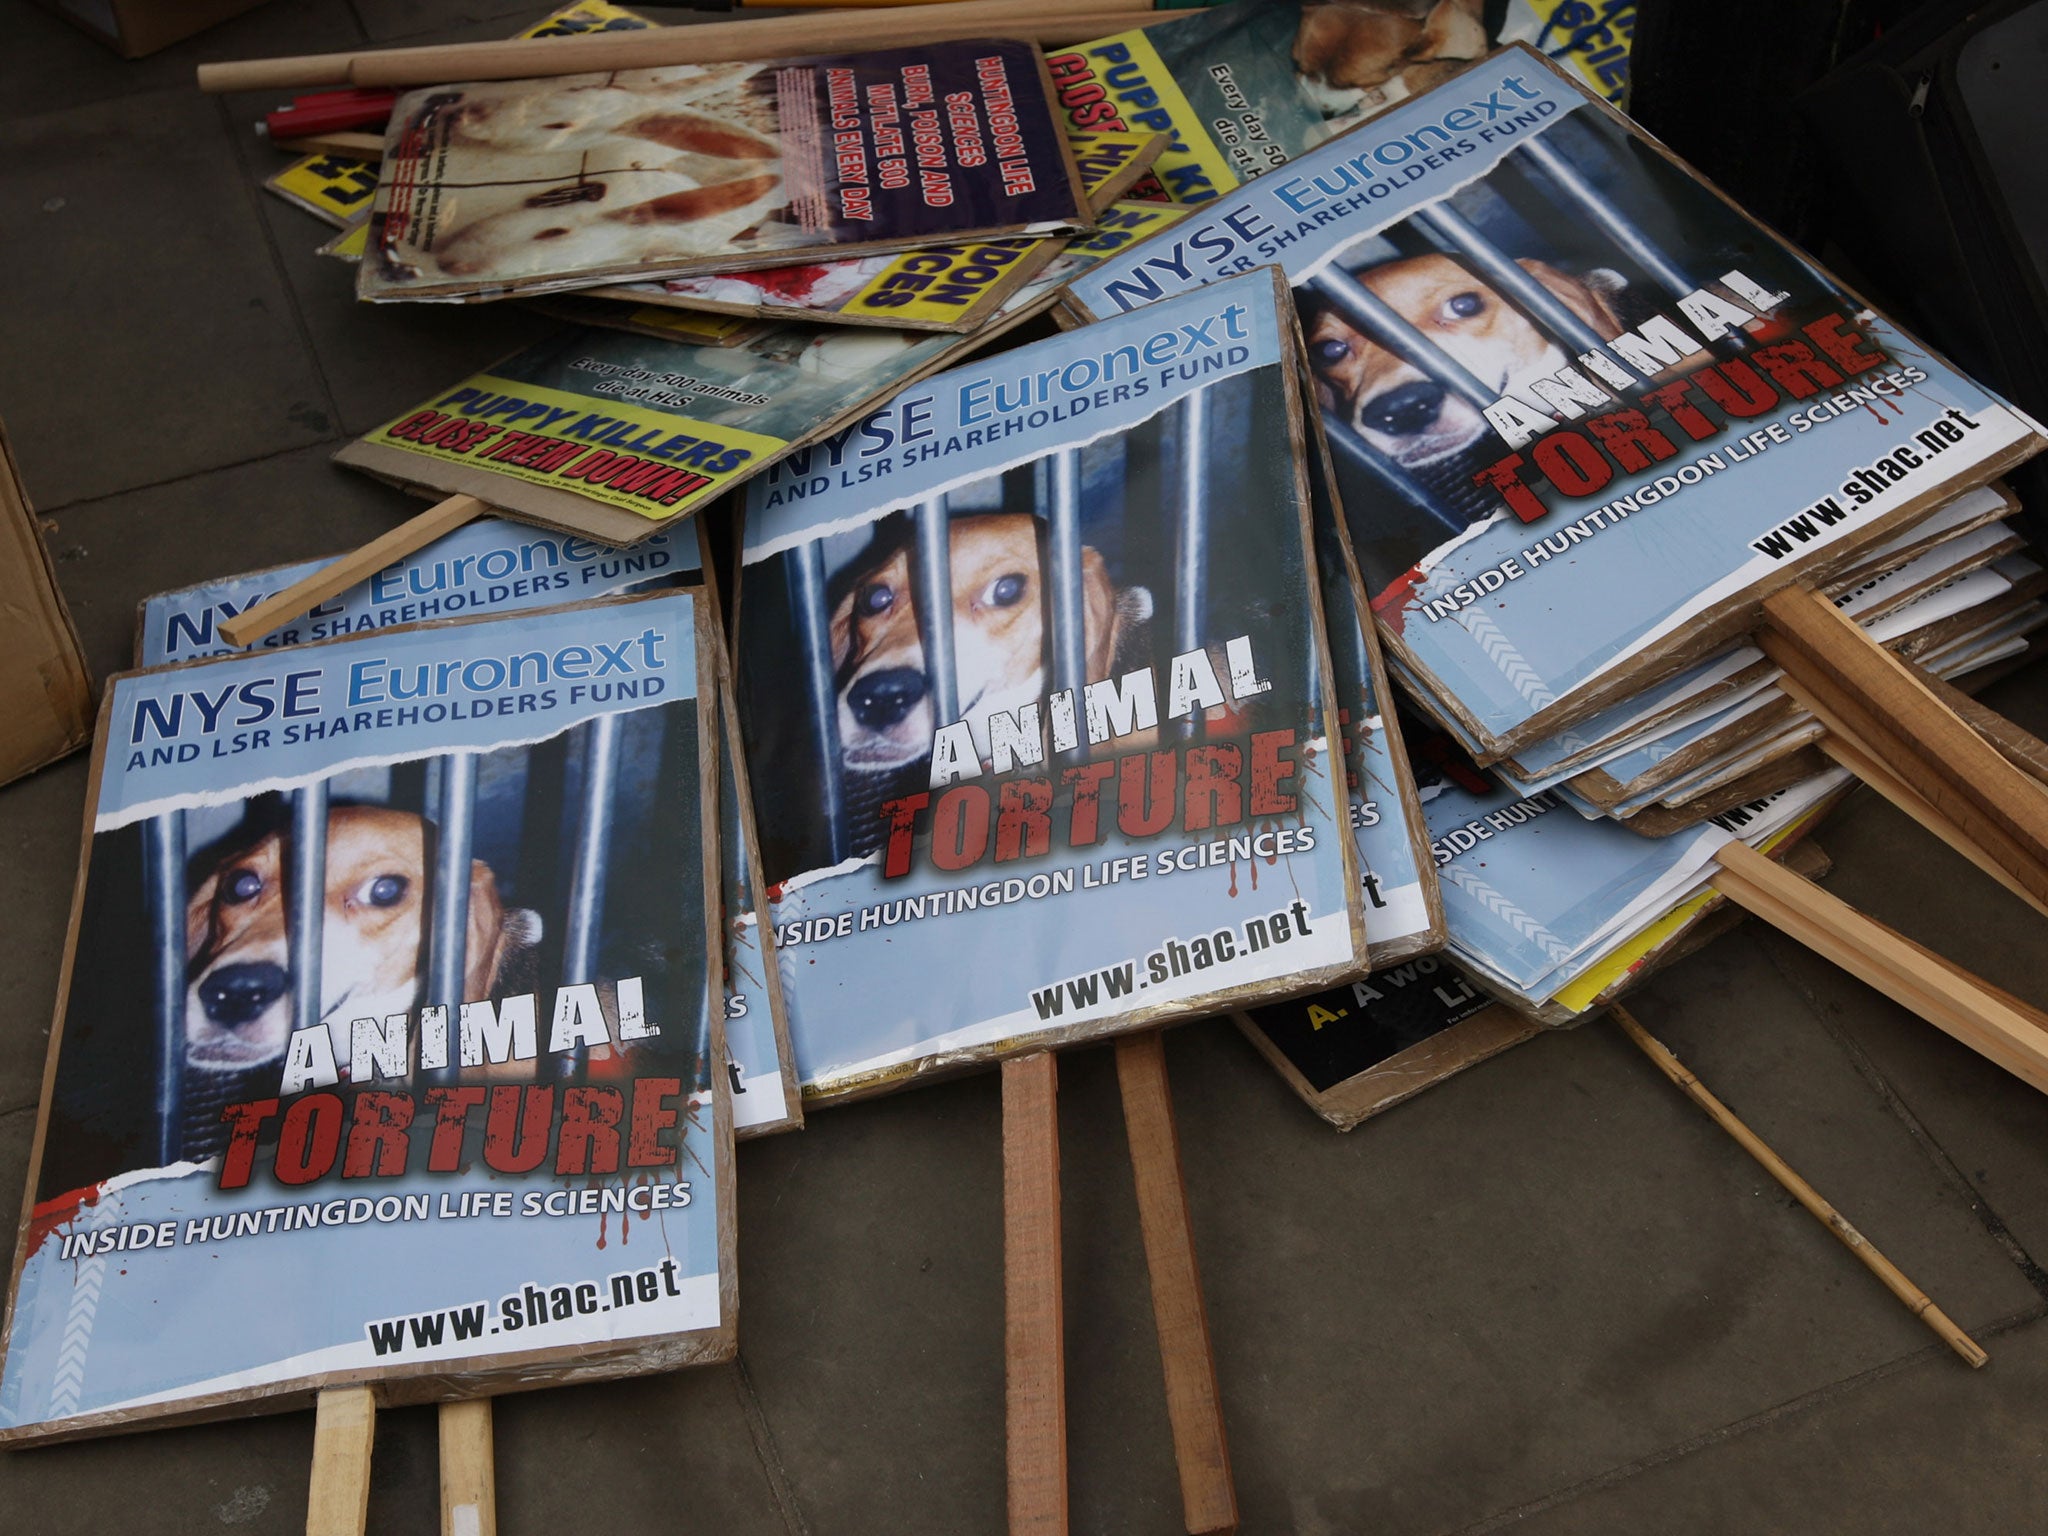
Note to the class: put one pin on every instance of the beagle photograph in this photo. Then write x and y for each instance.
(1357, 57)
(246, 960)
(998, 662)
(1382, 406)
(240, 960)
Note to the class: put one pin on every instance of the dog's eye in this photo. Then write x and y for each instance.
(1465, 305)
(1007, 591)
(242, 885)
(388, 890)
(551, 234)
(1332, 352)
(874, 601)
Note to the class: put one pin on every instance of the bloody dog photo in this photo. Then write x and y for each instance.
(1068, 573)
(390, 996)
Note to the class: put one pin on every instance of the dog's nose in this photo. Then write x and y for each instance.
(882, 699)
(235, 994)
(1407, 410)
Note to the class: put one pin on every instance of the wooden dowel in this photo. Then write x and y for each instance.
(1842, 745)
(1994, 1025)
(337, 576)
(1917, 1301)
(1894, 716)
(2024, 750)
(1044, 21)
(357, 146)
(1193, 1405)
(469, 1479)
(1034, 1321)
(344, 1427)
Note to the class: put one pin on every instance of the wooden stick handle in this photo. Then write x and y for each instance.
(337, 576)
(1193, 1405)
(2024, 750)
(1045, 21)
(1895, 718)
(469, 1475)
(1034, 1320)
(344, 1426)
(1844, 747)
(1996, 1026)
(1917, 1301)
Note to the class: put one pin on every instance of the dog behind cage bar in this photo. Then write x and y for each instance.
(967, 617)
(1414, 330)
(385, 890)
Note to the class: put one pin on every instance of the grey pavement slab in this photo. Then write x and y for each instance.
(1932, 1447)
(113, 552)
(1552, 1265)
(48, 63)
(147, 333)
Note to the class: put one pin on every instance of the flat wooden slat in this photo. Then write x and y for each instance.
(2024, 750)
(1193, 1406)
(338, 1497)
(469, 1478)
(1996, 1026)
(1845, 748)
(1894, 716)
(1034, 1321)
(703, 43)
(337, 576)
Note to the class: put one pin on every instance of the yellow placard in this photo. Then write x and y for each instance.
(336, 187)
(1102, 157)
(586, 16)
(1587, 38)
(1192, 168)
(938, 283)
(1123, 224)
(643, 460)
(350, 244)
(688, 325)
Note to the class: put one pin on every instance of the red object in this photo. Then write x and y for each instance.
(330, 112)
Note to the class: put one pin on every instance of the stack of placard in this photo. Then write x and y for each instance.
(1585, 416)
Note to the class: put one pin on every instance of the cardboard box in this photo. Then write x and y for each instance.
(46, 704)
(133, 28)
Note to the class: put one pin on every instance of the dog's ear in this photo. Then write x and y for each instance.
(199, 915)
(842, 629)
(1100, 606)
(486, 933)
(1453, 30)
(1586, 298)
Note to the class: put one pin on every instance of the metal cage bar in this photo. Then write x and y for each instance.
(163, 854)
(1386, 471)
(1608, 219)
(448, 944)
(808, 601)
(1543, 308)
(935, 609)
(1067, 590)
(306, 898)
(582, 933)
(1191, 533)
(583, 928)
(1373, 316)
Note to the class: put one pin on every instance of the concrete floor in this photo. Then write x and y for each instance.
(1547, 1295)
